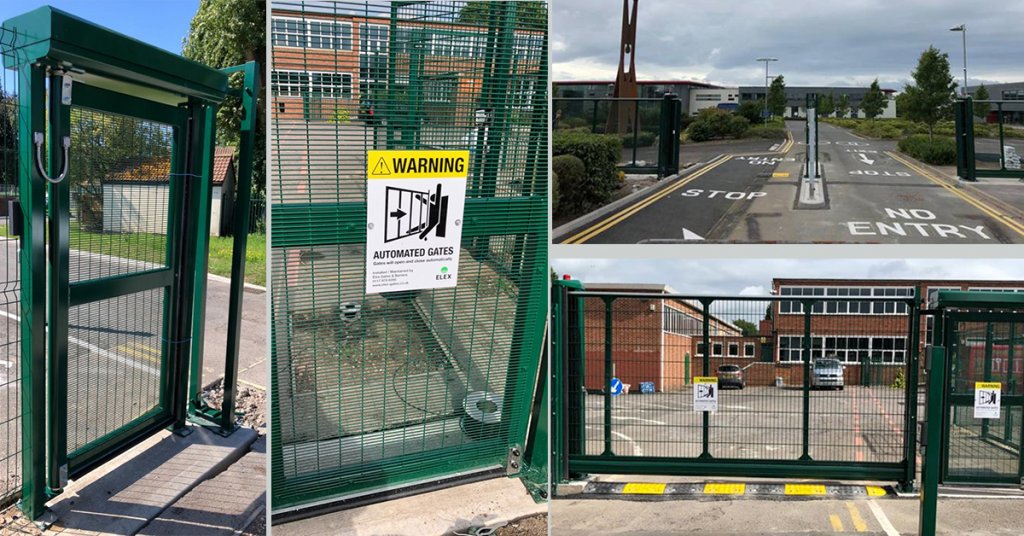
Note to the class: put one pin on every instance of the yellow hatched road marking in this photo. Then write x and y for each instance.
(644, 488)
(837, 524)
(858, 521)
(140, 351)
(606, 224)
(725, 488)
(805, 489)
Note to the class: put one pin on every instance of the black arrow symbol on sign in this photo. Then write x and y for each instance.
(397, 214)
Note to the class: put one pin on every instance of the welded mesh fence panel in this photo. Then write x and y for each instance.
(986, 448)
(10, 295)
(639, 136)
(840, 398)
(374, 390)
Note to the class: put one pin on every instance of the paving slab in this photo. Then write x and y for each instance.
(225, 504)
(490, 503)
(126, 493)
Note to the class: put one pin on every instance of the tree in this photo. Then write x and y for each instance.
(777, 97)
(981, 109)
(752, 110)
(930, 98)
(826, 105)
(225, 33)
(843, 105)
(749, 329)
(480, 13)
(873, 102)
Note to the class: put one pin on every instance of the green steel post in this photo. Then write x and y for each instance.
(806, 425)
(677, 122)
(1002, 138)
(1010, 387)
(972, 163)
(578, 354)
(910, 394)
(60, 227)
(664, 135)
(608, 376)
(961, 139)
(32, 187)
(636, 129)
(557, 381)
(932, 449)
(686, 368)
(593, 119)
(203, 181)
(705, 424)
(250, 93)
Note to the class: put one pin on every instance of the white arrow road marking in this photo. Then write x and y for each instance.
(690, 235)
(864, 158)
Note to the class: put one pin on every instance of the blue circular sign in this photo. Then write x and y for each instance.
(616, 387)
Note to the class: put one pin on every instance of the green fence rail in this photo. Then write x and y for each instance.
(371, 390)
(826, 384)
(650, 141)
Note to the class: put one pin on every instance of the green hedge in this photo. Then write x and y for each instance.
(939, 151)
(643, 139)
(600, 156)
(712, 123)
(765, 132)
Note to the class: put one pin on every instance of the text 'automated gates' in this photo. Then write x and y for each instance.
(115, 161)
(825, 384)
(375, 391)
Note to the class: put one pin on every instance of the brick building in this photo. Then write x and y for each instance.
(336, 64)
(661, 340)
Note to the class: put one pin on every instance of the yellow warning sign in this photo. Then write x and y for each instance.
(985, 386)
(644, 488)
(705, 379)
(417, 164)
(805, 489)
(725, 488)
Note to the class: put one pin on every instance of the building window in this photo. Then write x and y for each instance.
(299, 33)
(850, 305)
(331, 85)
(734, 349)
(852, 350)
(373, 39)
(440, 90)
(716, 349)
(680, 323)
(748, 349)
(289, 83)
(700, 349)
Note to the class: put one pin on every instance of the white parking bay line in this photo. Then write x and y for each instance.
(652, 421)
(99, 351)
(883, 521)
(637, 451)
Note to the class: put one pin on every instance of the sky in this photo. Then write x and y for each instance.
(753, 277)
(162, 23)
(846, 43)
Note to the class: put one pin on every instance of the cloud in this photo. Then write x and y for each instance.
(821, 43)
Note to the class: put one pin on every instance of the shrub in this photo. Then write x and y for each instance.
(573, 122)
(571, 183)
(736, 126)
(600, 155)
(765, 132)
(712, 123)
(938, 151)
(643, 139)
(339, 115)
(554, 192)
(700, 131)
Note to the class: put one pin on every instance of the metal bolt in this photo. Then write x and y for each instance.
(515, 451)
(514, 464)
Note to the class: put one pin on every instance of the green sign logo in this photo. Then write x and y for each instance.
(444, 269)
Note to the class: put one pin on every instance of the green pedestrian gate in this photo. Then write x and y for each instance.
(984, 149)
(385, 392)
(983, 337)
(113, 276)
(829, 383)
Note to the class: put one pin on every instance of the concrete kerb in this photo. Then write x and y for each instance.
(630, 199)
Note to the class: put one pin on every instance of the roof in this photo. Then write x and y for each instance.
(639, 82)
(898, 281)
(223, 162)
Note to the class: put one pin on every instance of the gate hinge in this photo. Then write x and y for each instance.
(514, 463)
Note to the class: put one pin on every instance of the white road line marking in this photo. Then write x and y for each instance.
(99, 351)
(864, 158)
(637, 451)
(637, 419)
(883, 521)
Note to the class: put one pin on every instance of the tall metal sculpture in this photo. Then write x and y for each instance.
(622, 115)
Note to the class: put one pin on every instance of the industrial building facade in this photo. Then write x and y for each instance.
(660, 341)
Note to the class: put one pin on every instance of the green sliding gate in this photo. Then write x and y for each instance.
(984, 341)
(378, 391)
(624, 364)
(115, 163)
(994, 154)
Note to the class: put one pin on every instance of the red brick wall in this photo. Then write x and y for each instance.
(636, 342)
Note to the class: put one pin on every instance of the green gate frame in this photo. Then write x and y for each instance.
(567, 462)
(114, 73)
(966, 162)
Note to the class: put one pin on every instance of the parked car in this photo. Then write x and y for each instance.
(730, 375)
(827, 372)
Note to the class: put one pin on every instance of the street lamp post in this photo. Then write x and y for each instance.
(963, 30)
(766, 61)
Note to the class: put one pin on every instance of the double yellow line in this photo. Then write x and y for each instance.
(606, 224)
(1001, 218)
(140, 351)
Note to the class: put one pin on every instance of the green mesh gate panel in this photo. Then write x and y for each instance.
(985, 450)
(371, 390)
(809, 385)
(10, 286)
